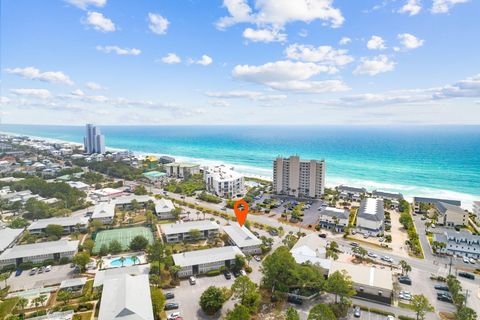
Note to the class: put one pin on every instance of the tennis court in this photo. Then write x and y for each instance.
(124, 236)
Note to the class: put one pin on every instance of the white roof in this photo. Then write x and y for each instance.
(192, 258)
(184, 227)
(75, 282)
(103, 275)
(62, 221)
(107, 192)
(7, 236)
(126, 297)
(241, 236)
(164, 205)
(78, 184)
(304, 254)
(104, 210)
(223, 173)
(43, 248)
(127, 199)
(365, 275)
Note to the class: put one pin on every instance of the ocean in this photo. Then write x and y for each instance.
(436, 161)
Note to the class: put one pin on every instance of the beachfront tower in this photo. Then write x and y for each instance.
(94, 140)
(299, 178)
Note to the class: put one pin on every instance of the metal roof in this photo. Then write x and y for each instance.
(435, 200)
(75, 282)
(192, 258)
(61, 221)
(365, 275)
(43, 248)
(241, 236)
(103, 275)
(443, 207)
(163, 205)
(104, 210)
(335, 212)
(184, 227)
(371, 209)
(7, 236)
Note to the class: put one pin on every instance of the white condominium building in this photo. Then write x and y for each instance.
(223, 181)
(94, 140)
(299, 178)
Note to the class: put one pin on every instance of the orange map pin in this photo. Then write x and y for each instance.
(241, 213)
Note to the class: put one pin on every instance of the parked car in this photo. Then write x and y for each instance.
(18, 272)
(441, 287)
(405, 295)
(41, 269)
(473, 261)
(354, 244)
(236, 273)
(357, 312)
(466, 275)
(33, 271)
(295, 300)
(48, 268)
(169, 295)
(372, 255)
(405, 280)
(243, 273)
(322, 235)
(173, 316)
(257, 258)
(227, 275)
(171, 306)
(444, 297)
(390, 317)
(466, 260)
(192, 280)
(387, 259)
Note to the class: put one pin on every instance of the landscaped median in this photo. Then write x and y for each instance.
(413, 240)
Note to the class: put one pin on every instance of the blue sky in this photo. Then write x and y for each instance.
(240, 62)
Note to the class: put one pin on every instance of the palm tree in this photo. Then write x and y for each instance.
(100, 263)
(122, 260)
(42, 299)
(135, 259)
(248, 258)
(4, 276)
(406, 268)
(22, 303)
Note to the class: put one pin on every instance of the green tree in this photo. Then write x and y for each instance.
(195, 234)
(340, 284)
(18, 223)
(54, 230)
(103, 250)
(140, 190)
(362, 252)
(421, 306)
(88, 245)
(406, 268)
(239, 263)
(138, 243)
(240, 312)
(158, 302)
(115, 247)
(96, 225)
(81, 259)
(22, 304)
(291, 314)
(279, 270)
(245, 291)
(64, 295)
(321, 312)
(4, 277)
(465, 313)
(212, 300)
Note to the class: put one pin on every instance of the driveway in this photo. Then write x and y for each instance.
(39, 280)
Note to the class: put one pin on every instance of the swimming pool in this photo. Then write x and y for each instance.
(127, 262)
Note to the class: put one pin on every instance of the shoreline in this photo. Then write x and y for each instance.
(408, 191)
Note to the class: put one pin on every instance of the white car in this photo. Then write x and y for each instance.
(466, 260)
(390, 317)
(372, 255)
(173, 316)
(48, 268)
(473, 261)
(192, 280)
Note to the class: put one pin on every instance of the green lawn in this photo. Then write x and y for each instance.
(123, 235)
(7, 306)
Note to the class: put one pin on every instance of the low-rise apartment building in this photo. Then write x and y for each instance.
(450, 215)
(184, 231)
(181, 170)
(461, 243)
(371, 216)
(334, 218)
(69, 224)
(418, 201)
(202, 261)
(224, 182)
(351, 193)
(104, 212)
(243, 238)
(164, 209)
(39, 252)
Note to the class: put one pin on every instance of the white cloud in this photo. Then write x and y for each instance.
(289, 75)
(409, 41)
(35, 93)
(35, 74)
(444, 6)
(322, 54)
(277, 13)
(4, 100)
(171, 58)
(412, 7)
(83, 4)
(303, 33)
(158, 24)
(204, 61)
(119, 51)
(99, 22)
(374, 66)
(244, 94)
(264, 35)
(94, 86)
(376, 43)
(345, 40)
(220, 103)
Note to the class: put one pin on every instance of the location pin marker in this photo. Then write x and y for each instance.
(241, 210)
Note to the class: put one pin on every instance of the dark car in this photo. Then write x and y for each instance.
(441, 287)
(295, 300)
(444, 297)
(171, 306)
(227, 275)
(169, 295)
(356, 312)
(18, 272)
(322, 235)
(405, 280)
(466, 275)
(236, 273)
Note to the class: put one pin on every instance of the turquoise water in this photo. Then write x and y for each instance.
(442, 161)
(127, 262)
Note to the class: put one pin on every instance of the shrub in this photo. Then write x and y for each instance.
(213, 273)
(64, 260)
(248, 269)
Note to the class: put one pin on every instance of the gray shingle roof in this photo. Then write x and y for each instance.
(443, 207)
(389, 195)
(435, 200)
(334, 212)
(351, 189)
(371, 209)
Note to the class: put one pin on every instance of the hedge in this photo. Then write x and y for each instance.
(405, 318)
(213, 273)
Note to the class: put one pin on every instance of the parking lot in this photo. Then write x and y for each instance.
(25, 281)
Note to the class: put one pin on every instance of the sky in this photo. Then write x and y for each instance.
(315, 62)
